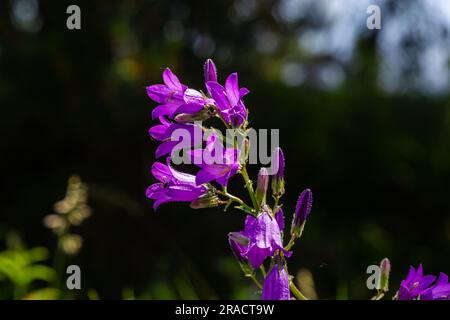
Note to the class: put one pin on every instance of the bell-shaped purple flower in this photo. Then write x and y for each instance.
(195, 102)
(174, 136)
(302, 211)
(276, 284)
(173, 185)
(195, 107)
(229, 100)
(420, 286)
(169, 95)
(264, 237)
(216, 162)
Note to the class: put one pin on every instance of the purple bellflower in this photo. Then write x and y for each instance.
(229, 100)
(216, 163)
(173, 185)
(264, 237)
(164, 132)
(419, 286)
(276, 284)
(195, 101)
(169, 95)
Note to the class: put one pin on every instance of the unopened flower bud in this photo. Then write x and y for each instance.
(205, 202)
(385, 268)
(261, 187)
(210, 71)
(278, 177)
(302, 211)
(279, 216)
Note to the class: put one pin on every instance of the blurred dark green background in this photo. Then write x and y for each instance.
(364, 119)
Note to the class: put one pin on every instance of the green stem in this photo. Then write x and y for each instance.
(290, 244)
(294, 237)
(225, 193)
(263, 270)
(275, 205)
(296, 292)
(249, 187)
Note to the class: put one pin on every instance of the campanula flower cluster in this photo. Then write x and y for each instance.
(183, 113)
(423, 287)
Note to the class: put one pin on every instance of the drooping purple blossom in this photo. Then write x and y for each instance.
(195, 102)
(174, 136)
(229, 100)
(420, 286)
(276, 284)
(173, 185)
(216, 162)
(302, 210)
(264, 237)
(169, 95)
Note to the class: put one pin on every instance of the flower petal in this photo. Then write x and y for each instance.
(219, 96)
(160, 201)
(159, 132)
(165, 148)
(232, 89)
(194, 97)
(276, 285)
(164, 110)
(190, 108)
(161, 172)
(184, 192)
(171, 80)
(180, 176)
(159, 93)
(243, 92)
(155, 191)
(210, 173)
